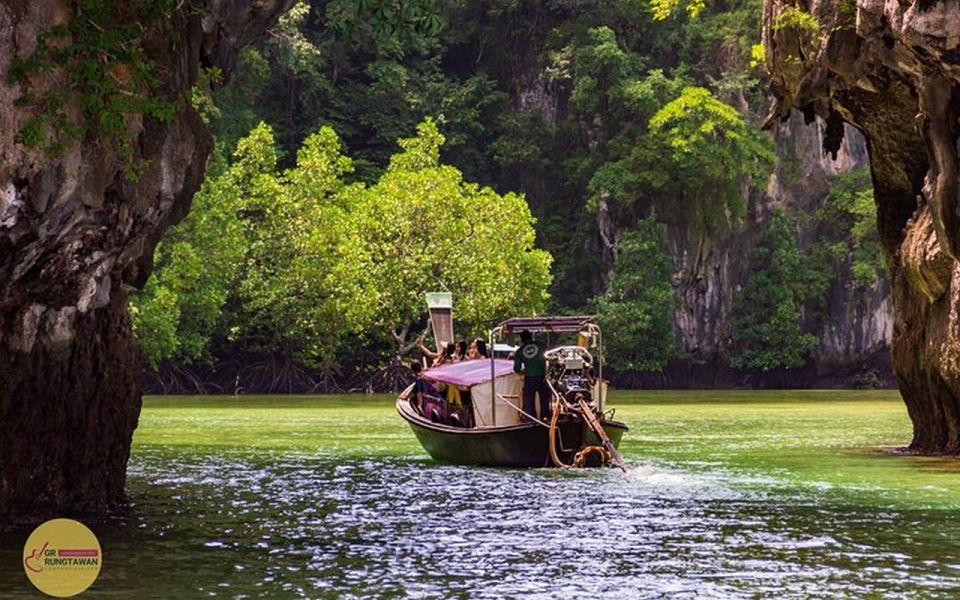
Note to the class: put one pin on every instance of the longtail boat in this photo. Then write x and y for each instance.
(472, 412)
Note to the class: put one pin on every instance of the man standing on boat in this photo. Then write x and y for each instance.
(529, 362)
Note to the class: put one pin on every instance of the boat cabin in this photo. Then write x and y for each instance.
(461, 394)
(487, 393)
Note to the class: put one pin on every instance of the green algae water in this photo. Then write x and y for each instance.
(729, 495)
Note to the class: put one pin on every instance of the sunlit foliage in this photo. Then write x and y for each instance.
(294, 260)
(712, 154)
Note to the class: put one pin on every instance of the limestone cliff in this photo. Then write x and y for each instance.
(892, 70)
(73, 232)
(855, 327)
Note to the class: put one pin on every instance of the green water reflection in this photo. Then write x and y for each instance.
(730, 494)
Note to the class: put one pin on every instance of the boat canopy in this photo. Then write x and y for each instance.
(469, 373)
(562, 324)
(475, 376)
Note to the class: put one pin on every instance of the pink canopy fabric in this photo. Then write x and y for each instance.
(470, 372)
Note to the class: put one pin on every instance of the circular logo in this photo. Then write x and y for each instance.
(62, 558)
(530, 351)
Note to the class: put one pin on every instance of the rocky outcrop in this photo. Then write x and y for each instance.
(73, 232)
(892, 70)
(854, 323)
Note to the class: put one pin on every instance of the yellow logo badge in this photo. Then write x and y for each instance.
(62, 558)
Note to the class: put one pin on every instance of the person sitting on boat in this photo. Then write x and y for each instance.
(478, 349)
(528, 360)
(462, 351)
(444, 357)
(415, 393)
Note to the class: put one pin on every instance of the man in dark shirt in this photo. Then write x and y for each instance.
(529, 361)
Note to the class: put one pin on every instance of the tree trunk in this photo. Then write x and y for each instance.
(882, 73)
(74, 229)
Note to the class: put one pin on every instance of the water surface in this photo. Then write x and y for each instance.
(730, 494)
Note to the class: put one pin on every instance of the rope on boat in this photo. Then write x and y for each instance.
(552, 444)
(522, 412)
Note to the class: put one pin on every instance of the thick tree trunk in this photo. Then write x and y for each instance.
(881, 68)
(73, 231)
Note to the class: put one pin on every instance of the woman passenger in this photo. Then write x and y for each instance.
(478, 349)
(461, 351)
(444, 357)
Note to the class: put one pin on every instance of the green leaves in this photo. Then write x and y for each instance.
(428, 229)
(663, 9)
(106, 74)
(296, 261)
(710, 150)
(637, 309)
(766, 326)
(853, 213)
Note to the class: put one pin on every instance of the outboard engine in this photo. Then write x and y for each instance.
(570, 370)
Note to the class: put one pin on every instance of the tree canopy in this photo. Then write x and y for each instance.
(636, 311)
(295, 260)
(598, 146)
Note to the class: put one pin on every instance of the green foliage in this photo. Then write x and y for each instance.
(372, 70)
(427, 229)
(663, 9)
(636, 311)
(792, 17)
(852, 214)
(195, 268)
(758, 56)
(710, 151)
(804, 25)
(766, 325)
(579, 104)
(101, 64)
(297, 261)
(385, 20)
(201, 96)
(553, 99)
(299, 293)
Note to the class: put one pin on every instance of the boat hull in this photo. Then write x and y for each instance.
(525, 445)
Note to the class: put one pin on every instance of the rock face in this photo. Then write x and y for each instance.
(73, 232)
(892, 70)
(709, 267)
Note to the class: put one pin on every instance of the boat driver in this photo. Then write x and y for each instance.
(528, 360)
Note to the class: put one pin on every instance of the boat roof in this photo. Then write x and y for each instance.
(563, 324)
(469, 372)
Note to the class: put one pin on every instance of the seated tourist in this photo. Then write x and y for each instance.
(478, 349)
(444, 357)
(461, 354)
(415, 393)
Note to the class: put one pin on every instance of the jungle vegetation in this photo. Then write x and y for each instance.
(362, 159)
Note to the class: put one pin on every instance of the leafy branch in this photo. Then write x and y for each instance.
(100, 58)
